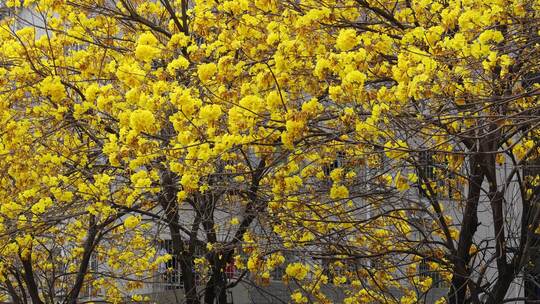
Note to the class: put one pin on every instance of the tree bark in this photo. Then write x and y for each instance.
(29, 279)
(461, 271)
(83, 267)
(168, 201)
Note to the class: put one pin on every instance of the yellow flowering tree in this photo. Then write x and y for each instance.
(53, 184)
(150, 143)
(367, 138)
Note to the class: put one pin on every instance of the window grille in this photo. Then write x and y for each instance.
(337, 163)
(426, 166)
(231, 271)
(278, 272)
(348, 268)
(170, 271)
(88, 290)
(424, 272)
(426, 171)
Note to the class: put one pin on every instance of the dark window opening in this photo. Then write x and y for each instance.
(424, 271)
(426, 166)
(337, 163)
(278, 272)
(170, 271)
(425, 171)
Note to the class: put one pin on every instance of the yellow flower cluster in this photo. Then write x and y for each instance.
(147, 49)
(297, 271)
(142, 121)
(319, 109)
(52, 87)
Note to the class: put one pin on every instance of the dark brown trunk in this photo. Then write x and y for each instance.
(461, 271)
(217, 285)
(169, 203)
(187, 267)
(29, 279)
(83, 267)
(501, 287)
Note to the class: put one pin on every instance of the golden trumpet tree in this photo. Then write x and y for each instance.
(363, 137)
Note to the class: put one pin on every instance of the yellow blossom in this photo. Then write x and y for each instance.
(206, 71)
(297, 271)
(131, 222)
(346, 39)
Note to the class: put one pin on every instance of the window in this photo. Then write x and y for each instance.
(231, 271)
(425, 171)
(278, 272)
(335, 268)
(169, 271)
(424, 271)
(88, 290)
(169, 274)
(441, 178)
(327, 269)
(531, 172)
(448, 193)
(337, 163)
(426, 165)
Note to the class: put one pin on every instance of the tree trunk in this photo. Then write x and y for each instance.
(83, 268)
(216, 288)
(29, 279)
(168, 201)
(461, 272)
